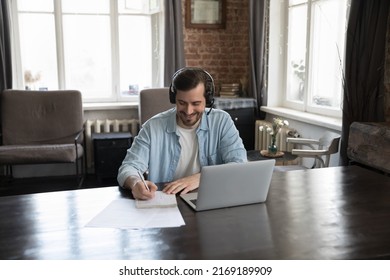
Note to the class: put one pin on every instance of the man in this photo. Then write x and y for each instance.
(174, 145)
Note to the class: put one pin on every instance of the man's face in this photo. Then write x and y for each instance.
(190, 106)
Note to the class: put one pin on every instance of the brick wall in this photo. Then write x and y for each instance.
(224, 53)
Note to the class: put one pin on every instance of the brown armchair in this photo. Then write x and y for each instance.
(42, 127)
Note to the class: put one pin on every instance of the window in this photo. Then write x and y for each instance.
(109, 50)
(312, 46)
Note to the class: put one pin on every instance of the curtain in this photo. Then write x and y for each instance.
(5, 48)
(257, 49)
(364, 68)
(174, 45)
(5, 53)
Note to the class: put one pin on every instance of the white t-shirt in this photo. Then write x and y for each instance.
(189, 157)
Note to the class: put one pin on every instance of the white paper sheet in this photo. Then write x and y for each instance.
(122, 213)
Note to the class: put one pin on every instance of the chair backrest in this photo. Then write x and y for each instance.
(41, 117)
(153, 101)
(330, 141)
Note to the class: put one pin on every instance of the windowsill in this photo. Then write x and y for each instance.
(319, 120)
(109, 105)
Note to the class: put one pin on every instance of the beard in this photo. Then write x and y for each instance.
(189, 121)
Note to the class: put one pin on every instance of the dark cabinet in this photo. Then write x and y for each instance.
(244, 119)
(109, 151)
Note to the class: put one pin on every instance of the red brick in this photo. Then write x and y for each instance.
(224, 53)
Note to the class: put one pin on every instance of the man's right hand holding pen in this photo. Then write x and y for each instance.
(140, 188)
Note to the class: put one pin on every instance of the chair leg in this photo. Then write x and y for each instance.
(319, 162)
(82, 172)
(5, 173)
(79, 176)
(9, 171)
(327, 159)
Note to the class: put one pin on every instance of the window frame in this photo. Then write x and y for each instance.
(157, 29)
(278, 59)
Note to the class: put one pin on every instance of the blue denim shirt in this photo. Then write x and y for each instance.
(156, 148)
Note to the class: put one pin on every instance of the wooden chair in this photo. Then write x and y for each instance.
(42, 127)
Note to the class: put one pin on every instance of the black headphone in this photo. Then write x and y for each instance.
(209, 86)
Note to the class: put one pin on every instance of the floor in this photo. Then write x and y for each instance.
(49, 184)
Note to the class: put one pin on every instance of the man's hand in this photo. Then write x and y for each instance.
(138, 188)
(140, 192)
(183, 185)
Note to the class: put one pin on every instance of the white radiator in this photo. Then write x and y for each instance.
(263, 139)
(106, 126)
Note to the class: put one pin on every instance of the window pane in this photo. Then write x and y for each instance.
(79, 47)
(134, 6)
(297, 2)
(327, 49)
(36, 5)
(296, 57)
(139, 6)
(38, 51)
(87, 51)
(135, 53)
(86, 6)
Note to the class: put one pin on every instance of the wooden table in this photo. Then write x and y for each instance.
(254, 155)
(330, 213)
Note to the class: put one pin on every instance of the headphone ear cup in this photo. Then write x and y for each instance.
(172, 95)
(210, 91)
(208, 99)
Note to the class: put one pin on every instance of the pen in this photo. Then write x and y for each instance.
(143, 181)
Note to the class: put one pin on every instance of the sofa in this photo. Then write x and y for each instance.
(369, 145)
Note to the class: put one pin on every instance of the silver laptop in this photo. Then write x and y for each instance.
(231, 184)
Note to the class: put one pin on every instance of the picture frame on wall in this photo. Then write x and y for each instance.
(205, 14)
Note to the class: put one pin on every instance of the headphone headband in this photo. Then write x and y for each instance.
(208, 83)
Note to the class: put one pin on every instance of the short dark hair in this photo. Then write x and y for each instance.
(190, 77)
